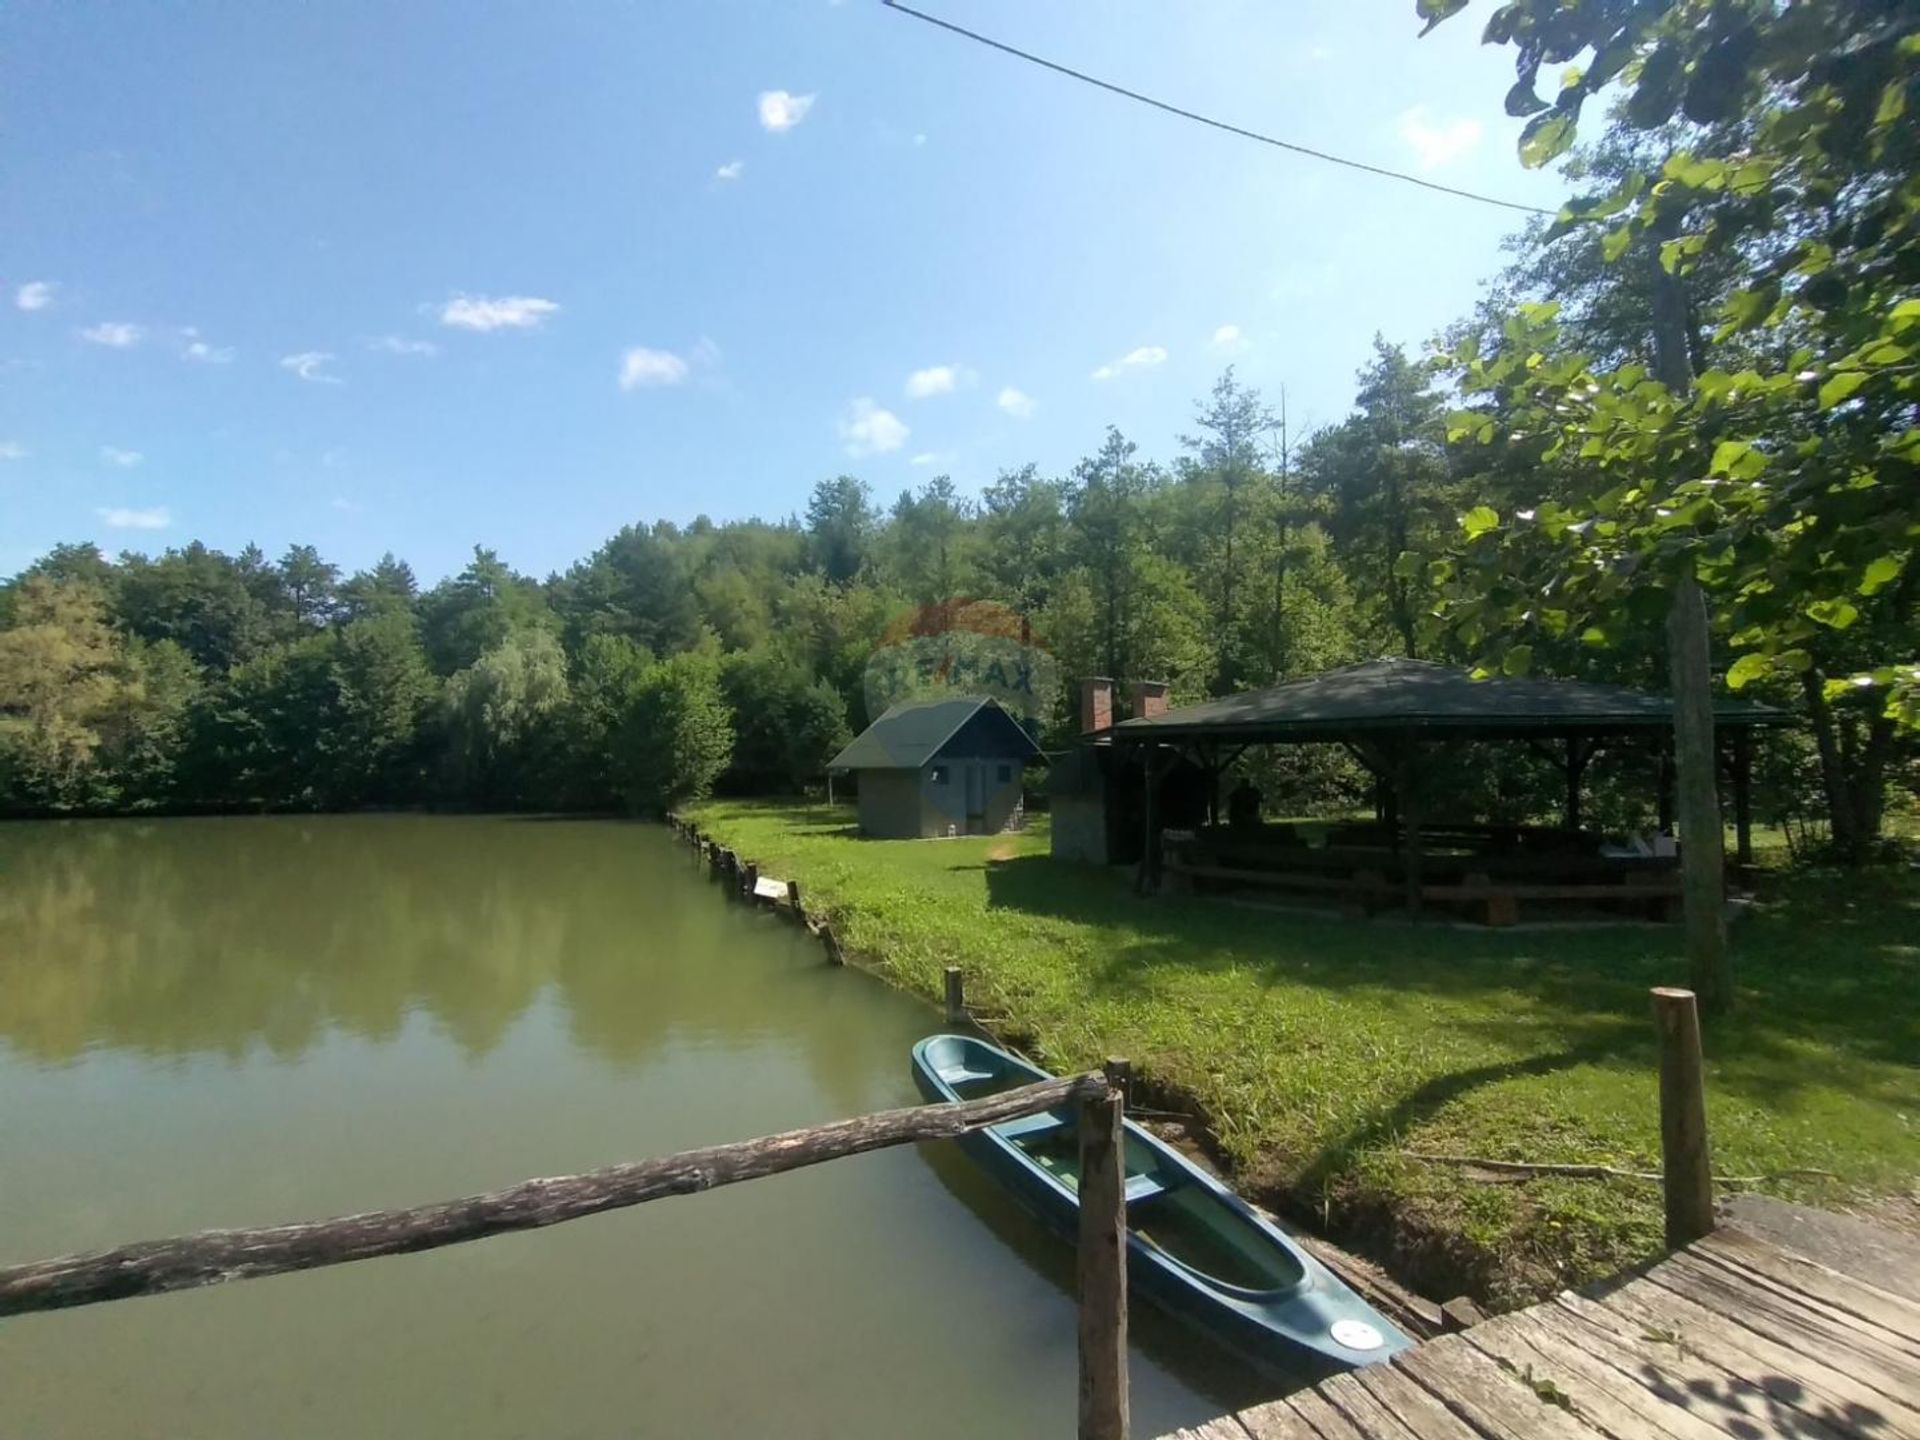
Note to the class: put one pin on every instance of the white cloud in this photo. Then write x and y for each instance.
(12, 450)
(401, 345)
(311, 365)
(1016, 403)
(114, 334)
(119, 517)
(780, 110)
(731, 170)
(938, 380)
(35, 295)
(346, 506)
(1229, 339)
(868, 429)
(207, 354)
(1143, 358)
(1438, 142)
(505, 312)
(125, 459)
(641, 367)
(932, 457)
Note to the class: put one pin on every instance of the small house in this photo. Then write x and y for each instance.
(939, 767)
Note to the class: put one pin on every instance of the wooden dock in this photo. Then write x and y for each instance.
(1735, 1337)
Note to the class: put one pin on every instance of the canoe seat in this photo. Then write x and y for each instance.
(960, 1075)
(1028, 1125)
(1143, 1187)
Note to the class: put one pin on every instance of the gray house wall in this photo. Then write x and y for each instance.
(937, 800)
(890, 804)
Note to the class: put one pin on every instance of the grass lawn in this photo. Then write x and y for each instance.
(1318, 1050)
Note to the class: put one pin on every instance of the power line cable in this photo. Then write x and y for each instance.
(1231, 129)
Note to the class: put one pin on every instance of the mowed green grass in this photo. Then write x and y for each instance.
(1319, 1051)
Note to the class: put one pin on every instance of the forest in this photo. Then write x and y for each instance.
(1703, 367)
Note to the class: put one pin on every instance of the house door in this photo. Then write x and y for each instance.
(976, 773)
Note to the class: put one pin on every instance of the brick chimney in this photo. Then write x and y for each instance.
(1149, 698)
(1096, 704)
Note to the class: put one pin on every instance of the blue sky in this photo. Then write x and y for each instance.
(417, 276)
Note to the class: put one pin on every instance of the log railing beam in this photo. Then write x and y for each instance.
(211, 1257)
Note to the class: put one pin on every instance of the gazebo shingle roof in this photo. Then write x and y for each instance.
(1398, 694)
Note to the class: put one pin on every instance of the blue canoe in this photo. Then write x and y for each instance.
(1193, 1246)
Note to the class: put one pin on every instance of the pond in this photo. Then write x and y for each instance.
(231, 1022)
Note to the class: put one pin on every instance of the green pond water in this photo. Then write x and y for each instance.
(245, 1021)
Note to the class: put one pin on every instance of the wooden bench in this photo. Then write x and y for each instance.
(1499, 900)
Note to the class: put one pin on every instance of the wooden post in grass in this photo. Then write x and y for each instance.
(1119, 1073)
(1103, 1271)
(1683, 1118)
(956, 997)
(750, 885)
(793, 898)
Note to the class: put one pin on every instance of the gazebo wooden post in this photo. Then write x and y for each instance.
(1578, 753)
(1150, 847)
(1666, 785)
(1743, 796)
(1407, 787)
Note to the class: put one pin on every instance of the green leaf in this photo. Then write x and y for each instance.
(1522, 101)
(1836, 612)
(1408, 566)
(1881, 572)
(1905, 316)
(1546, 138)
(1434, 11)
(1737, 459)
(1480, 519)
(1656, 94)
(1893, 103)
(1614, 243)
(1518, 660)
(1747, 669)
(1839, 386)
(1798, 661)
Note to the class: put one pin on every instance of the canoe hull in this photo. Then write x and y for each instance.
(1290, 1330)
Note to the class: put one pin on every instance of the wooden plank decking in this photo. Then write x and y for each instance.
(1732, 1338)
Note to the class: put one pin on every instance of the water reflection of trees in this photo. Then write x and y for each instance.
(227, 936)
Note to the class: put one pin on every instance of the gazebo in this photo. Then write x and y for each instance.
(1387, 713)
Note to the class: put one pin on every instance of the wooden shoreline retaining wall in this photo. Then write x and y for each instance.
(742, 880)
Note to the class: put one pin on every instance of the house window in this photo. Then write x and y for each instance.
(1004, 774)
(939, 774)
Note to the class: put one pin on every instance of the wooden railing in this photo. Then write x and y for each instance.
(213, 1257)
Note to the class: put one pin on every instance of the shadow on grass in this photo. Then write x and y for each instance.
(1425, 1101)
(1830, 964)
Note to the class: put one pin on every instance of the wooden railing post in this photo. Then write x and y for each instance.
(1119, 1073)
(1685, 1171)
(956, 997)
(1103, 1270)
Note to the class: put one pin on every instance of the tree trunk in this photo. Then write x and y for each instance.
(1690, 668)
(1833, 771)
(1702, 838)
